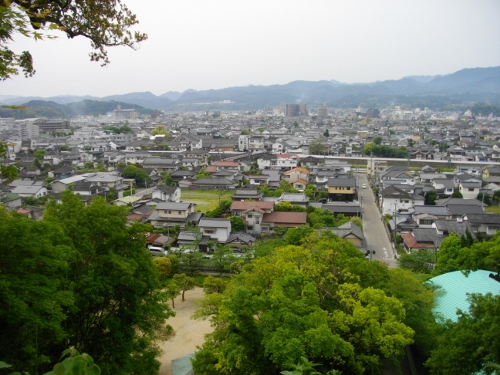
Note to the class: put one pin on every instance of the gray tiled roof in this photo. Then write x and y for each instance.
(215, 223)
(173, 206)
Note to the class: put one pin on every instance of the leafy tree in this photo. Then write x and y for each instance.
(140, 176)
(75, 364)
(449, 252)
(160, 131)
(473, 339)
(418, 300)
(419, 261)
(222, 258)
(237, 223)
(457, 194)
(172, 291)
(33, 295)
(316, 147)
(485, 198)
(294, 236)
(377, 140)
(285, 187)
(7, 172)
(124, 129)
(481, 255)
(214, 285)
(190, 261)
(288, 207)
(164, 265)
(184, 282)
(202, 174)
(303, 301)
(39, 154)
(245, 132)
(430, 198)
(106, 23)
(166, 179)
(115, 285)
(326, 133)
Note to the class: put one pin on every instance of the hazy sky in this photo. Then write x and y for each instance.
(211, 44)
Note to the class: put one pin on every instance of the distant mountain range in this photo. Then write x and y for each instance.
(464, 86)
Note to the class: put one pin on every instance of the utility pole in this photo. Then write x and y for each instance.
(394, 217)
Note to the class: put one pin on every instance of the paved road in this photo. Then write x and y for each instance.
(376, 236)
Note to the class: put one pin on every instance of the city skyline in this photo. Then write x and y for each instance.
(212, 45)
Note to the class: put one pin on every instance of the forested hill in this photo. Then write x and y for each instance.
(42, 108)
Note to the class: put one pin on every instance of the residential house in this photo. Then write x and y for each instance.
(225, 164)
(252, 213)
(31, 212)
(267, 161)
(341, 189)
(161, 164)
(10, 200)
(239, 208)
(35, 191)
(63, 172)
(258, 180)
(491, 171)
(286, 161)
(180, 174)
(444, 186)
(169, 214)
(297, 177)
(349, 209)
(469, 190)
(274, 220)
(351, 233)
(244, 194)
(216, 229)
(64, 184)
(399, 177)
(109, 179)
(214, 184)
(167, 193)
(296, 199)
(484, 224)
(393, 199)
(86, 188)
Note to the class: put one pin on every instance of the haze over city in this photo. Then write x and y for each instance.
(215, 44)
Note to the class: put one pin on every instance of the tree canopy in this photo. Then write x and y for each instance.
(322, 301)
(105, 23)
(81, 277)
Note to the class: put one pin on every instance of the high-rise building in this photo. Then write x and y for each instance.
(322, 111)
(296, 110)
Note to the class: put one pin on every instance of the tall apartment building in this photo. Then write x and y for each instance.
(322, 111)
(27, 128)
(124, 114)
(296, 110)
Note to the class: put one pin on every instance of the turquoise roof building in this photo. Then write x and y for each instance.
(454, 288)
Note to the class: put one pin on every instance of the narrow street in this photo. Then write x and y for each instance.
(375, 233)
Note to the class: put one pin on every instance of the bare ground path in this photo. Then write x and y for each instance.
(189, 333)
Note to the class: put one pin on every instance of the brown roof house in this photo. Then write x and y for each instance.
(283, 220)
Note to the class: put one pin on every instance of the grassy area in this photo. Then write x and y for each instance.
(206, 200)
(494, 209)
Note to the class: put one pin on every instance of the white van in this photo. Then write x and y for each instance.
(155, 251)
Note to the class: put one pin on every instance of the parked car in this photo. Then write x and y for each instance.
(363, 186)
(155, 251)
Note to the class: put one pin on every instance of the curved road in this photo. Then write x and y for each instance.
(375, 233)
